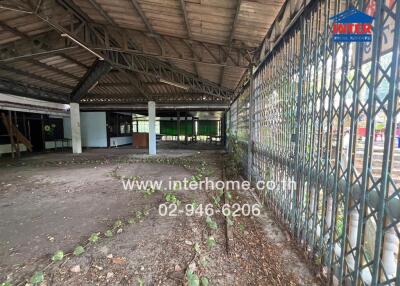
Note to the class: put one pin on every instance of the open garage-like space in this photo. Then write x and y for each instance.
(199, 142)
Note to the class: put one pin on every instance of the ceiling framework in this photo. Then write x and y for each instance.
(155, 47)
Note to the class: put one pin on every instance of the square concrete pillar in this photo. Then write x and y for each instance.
(152, 127)
(75, 128)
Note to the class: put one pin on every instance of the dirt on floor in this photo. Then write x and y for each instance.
(59, 201)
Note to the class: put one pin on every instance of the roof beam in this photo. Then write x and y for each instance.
(143, 16)
(146, 22)
(92, 76)
(230, 41)
(22, 89)
(188, 30)
(90, 37)
(35, 76)
(53, 69)
(102, 12)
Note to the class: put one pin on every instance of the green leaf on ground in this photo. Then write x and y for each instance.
(140, 281)
(118, 224)
(193, 279)
(197, 247)
(211, 242)
(58, 255)
(5, 284)
(37, 277)
(108, 233)
(131, 220)
(79, 250)
(204, 281)
(94, 238)
(211, 224)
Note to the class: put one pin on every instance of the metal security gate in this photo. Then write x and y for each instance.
(327, 115)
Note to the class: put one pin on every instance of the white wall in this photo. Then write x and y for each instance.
(93, 129)
(67, 127)
(6, 148)
(118, 141)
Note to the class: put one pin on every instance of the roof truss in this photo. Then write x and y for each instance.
(117, 48)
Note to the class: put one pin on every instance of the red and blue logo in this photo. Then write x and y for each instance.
(352, 26)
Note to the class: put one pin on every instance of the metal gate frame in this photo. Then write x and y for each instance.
(309, 101)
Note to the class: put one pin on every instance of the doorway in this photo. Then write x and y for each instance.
(36, 134)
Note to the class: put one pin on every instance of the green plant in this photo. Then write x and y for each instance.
(140, 281)
(193, 279)
(204, 281)
(211, 242)
(108, 233)
(94, 237)
(149, 191)
(58, 255)
(78, 250)
(171, 198)
(197, 248)
(211, 224)
(131, 220)
(118, 224)
(5, 284)
(37, 278)
(216, 200)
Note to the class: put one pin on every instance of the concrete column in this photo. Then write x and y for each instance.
(152, 127)
(75, 128)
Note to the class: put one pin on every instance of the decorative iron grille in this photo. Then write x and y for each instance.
(327, 115)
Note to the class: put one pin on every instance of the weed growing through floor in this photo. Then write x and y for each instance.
(193, 279)
(173, 199)
(211, 242)
(108, 233)
(37, 278)
(79, 250)
(58, 255)
(211, 223)
(94, 238)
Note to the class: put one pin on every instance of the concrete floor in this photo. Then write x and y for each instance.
(55, 201)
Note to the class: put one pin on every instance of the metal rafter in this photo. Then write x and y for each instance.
(35, 76)
(146, 22)
(53, 69)
(230, 41)
(102, 12)
(104, 38)
(104, 33)
(97, 70)
(22, 89)
(188, 30)
(88, 36)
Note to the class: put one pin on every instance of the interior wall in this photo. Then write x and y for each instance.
(93, 129)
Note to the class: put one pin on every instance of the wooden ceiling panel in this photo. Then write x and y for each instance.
(151, 24)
